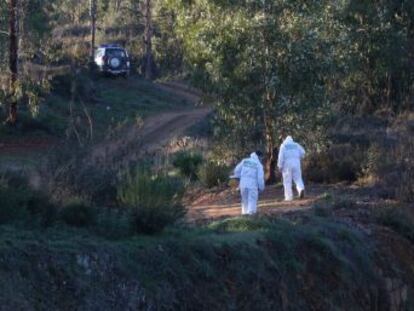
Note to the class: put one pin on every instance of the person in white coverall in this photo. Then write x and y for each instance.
(251, 175)
(289, 164)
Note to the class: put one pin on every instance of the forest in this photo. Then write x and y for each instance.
(121, 126)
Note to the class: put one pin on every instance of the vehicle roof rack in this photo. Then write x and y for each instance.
(110, 45)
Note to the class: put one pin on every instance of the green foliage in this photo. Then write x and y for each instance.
(389, 164)
(71, 175)
(336, 164)
(398, 220)
(377, 66)
(187, 163)
(113, 224)
(154, 200)
(299, 266)
(241, 224)
(19, 203)
(41, 210)
(212, 174)
(78, 213)
(328, 204)
(12, 203)
(264, 62)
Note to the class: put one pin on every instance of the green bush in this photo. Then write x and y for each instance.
(187, 163)
(72, 176)
(113, 223)
(338, 163)
(41, 209)
(398, 220)
(240, 224)
(326, 206)
(12, 204)
(212, 174)
(154, 201)
(78, 214)
(18, 202)
(390, 164)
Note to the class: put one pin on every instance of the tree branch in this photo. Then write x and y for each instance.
(3, 32)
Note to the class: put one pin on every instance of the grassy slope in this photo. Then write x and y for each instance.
(111, 103)
(238, 264)
(117, 101)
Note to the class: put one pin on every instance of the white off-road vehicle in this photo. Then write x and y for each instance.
(112, 59)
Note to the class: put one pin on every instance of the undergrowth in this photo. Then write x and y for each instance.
(244, 264)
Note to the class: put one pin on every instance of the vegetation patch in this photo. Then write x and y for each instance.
(212, 174)
(281, 265)
(397, 219)
(187, 163)
(154, 201)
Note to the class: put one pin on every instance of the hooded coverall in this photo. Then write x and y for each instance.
(250, 172)
(290, 156)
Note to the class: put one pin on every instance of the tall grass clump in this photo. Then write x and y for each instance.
(335, 164)
(390, 163)
(154, 201)
(20, 203)
(188, 163)
(212, 174)
(78, 213)
(71, 174)
(398, 220)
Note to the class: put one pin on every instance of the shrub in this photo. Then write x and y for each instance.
(336, 164)
(390, 163)
(212, 174)
(240, 224)
(113, 223)
(12, 203)
(398, 220)
(78, 214)
(155, 201)
(328, 204)
(187, 163)
(41, 209)
(72, 176)
(18, 202)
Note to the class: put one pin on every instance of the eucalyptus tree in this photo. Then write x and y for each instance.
(379, 55)
(265, 62)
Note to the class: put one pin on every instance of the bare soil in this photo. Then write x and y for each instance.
(156, 131)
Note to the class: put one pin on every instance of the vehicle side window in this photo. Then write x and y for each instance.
(99, 53)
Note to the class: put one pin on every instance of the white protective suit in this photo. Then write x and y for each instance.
(250, 172)
(290, 156)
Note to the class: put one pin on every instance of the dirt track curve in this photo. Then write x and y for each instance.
(138, 140)
(156, 131)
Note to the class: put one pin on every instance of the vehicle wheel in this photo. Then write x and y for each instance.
(115, 63)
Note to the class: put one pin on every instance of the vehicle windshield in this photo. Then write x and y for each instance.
(115, 53)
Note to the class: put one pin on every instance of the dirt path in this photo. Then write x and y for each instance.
(181, 90)
(139, 140)
(226, 203)
(155, 132)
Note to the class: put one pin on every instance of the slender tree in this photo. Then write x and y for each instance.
(149, 69)
(13, 60)
(92, 10)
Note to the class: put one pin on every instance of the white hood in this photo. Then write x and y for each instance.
(254, 156)
(288, 139)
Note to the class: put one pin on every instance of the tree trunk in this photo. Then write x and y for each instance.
(148, 64)
(13, 59)
(93, 27)
(270, 156)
